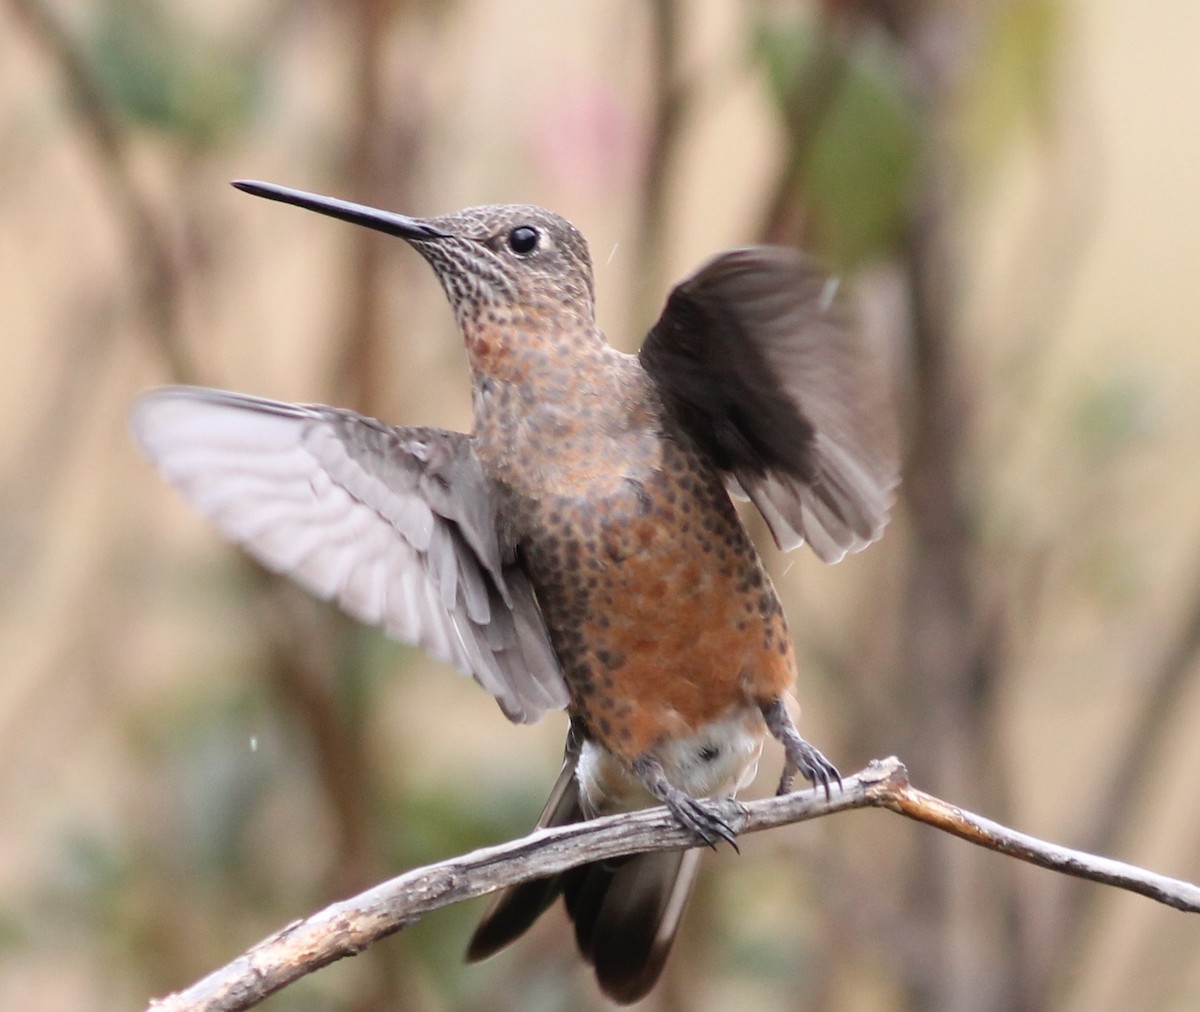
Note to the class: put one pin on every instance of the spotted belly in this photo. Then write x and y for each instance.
(661, 613)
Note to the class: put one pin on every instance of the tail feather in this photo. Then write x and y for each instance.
(626, 912)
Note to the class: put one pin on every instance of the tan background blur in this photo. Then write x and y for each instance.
(192, 755)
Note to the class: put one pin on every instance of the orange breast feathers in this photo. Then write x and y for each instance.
(681, 628)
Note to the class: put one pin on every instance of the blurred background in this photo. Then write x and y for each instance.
(192, 755)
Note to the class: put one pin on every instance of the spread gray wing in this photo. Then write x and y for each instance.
(394, 524)
(754, 357)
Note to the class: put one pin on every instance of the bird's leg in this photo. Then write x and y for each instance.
(801, 756)
(691, 813)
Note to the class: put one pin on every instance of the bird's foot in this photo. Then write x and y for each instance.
(701, 816)
(801, 757)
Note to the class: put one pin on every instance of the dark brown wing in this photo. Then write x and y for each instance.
(754, 356)
(395, 525)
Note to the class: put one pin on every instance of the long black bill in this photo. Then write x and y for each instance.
(358, 214)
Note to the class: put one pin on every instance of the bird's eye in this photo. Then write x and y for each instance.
(523, 239)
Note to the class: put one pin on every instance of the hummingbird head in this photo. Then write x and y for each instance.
(506, 264)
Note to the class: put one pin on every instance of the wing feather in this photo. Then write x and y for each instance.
(756, 361)
(395, 525)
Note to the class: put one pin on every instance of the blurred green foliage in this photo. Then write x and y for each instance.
(1011, 83)
(859, 182)
(1113, 414)
(169, 74)
(852, 123)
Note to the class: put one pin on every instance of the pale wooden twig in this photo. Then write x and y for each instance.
(348, 927)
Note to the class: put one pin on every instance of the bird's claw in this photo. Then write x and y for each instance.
(801, 756)
(704, 819)
(701, 816)
(807, 759)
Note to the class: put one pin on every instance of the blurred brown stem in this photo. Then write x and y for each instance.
(813, 95)
(149, 245)
(1136, 759)
(671, 94)
(360, 368)
(303, 674)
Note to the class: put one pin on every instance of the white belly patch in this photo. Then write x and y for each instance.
(715, 762)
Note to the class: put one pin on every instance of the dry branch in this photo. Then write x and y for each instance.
(348, 927)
